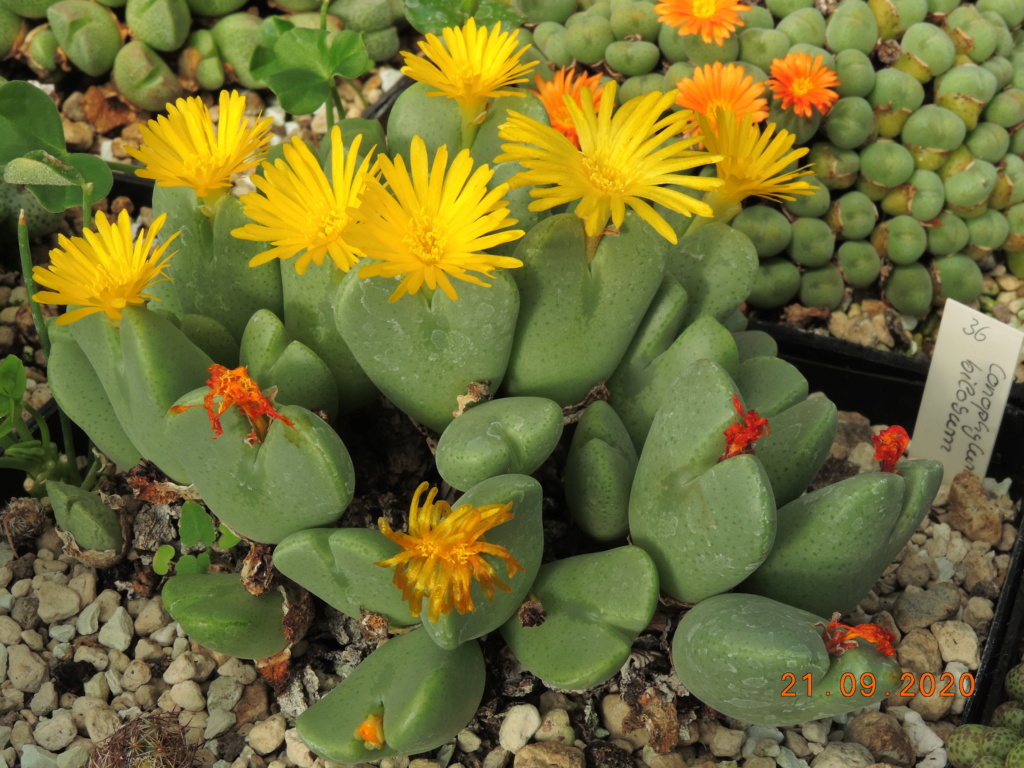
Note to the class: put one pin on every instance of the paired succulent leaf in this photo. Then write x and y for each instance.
(434, 15)
(12, 388)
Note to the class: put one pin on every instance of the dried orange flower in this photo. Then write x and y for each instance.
(371, 731)
(840, 638)
(443, 553)
(552, 93)
(740, 438)
(721, 86)
(713, 20)
(236, 387)
(890, 444)
(803, 84)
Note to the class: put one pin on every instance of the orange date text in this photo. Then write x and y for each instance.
(926, 684)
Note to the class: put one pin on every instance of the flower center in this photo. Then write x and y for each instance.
(704, 9)
(327, 223)
(426, 243)
(801, 86)
(603, 177)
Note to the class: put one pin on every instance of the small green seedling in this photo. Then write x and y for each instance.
(195, 527)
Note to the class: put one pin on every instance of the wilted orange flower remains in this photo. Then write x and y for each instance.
(721, 86)
(803, 84)
(371, 731)
(552, 93)
(740, 438)
(443, 553)
(713, 20)
(236, 387)
(840, 638)
(890, 444)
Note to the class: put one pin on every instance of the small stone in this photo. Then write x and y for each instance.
(815, 731)
(100, 723)
(181, 669)
(147, 650)
(917, 570)
(37, 757)
(56, 602)
(978, 567)
(254, 704)
(236, 668)
(109, 601)
(924, 739)
(75, 756)
(496, 758)
(88, 622)
(918, 652)
(118, 631)
(843, 755)
(97, 687)
(267, 736)
(63, 633)
(25, 670)
(797, 744)
(555, 726)
(760, 762)
(549, 754)
(299, 753)
(957, 642)
(932, 708)
(135, 675)
(971, 511)
(219, 721)
(921, 608)
(726, 742)
(614, 712)
(189, 696)
(94, 656)
(54, 733)
(84, 584)
(224, 693)
(468, 741)
(883, 737)
(151, 618)
(26, 612)
(518, 726)
(10, 631)
(45, 700)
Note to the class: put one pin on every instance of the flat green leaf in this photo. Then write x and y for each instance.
(264, 61)
(12, 378)
(228, 538)
(490, 12)
(304, 49)
(29, 120)
(162, 559)
(348, 57)
(196, 526)
(301, 91)
(92, 169)
(42, 168)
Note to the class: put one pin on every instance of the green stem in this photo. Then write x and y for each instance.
(22, 465)
(323, 15)
(329, 106)
(87, 205)
(22, 429)
(359, 93)
(114, 165)
(337, 103)
(91, 474)
(44, 333)
(44, 431)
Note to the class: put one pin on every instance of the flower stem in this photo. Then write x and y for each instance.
(44, 335)
(323, 14)
(590, 245)
(87, 205)
(332, 94)
(114, 165)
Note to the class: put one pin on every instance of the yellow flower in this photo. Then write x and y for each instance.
(552, 94)
(300, 211)
(433, 225)
(443, 553)
(103, 271)
(753, 163)
(471, 66)
(184, 150)
(624, 159)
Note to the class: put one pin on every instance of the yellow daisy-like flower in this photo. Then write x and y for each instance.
(753, 163)
(625, 158)
(471, 66)
(713, 20)
(443, 553)
(183, 149)
(433, 225)
(300, 211)
(721, 86)
(103, 271)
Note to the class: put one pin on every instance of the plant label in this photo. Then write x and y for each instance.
(965, 395)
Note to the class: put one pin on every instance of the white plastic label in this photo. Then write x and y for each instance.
(965, 395)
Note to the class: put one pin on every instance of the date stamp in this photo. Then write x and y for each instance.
(926, 684)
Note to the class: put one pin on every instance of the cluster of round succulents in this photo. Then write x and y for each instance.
(154, 50)
(919, 171)
(1000, 745)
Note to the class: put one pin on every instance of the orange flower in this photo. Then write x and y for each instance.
(740, 438)
(552, 93)
(717, 86)
(237, 388)
(840, 638)
(443, 553)
(713, 20)
(371, 731)
(890, 444)
(802, 84)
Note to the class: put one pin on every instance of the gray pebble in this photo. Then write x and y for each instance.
(37, 757)
(219, 722)
(518, 727)
(843, 755)
(88, 620)
(63, 633)
(25, 669)
(118, 631)
(45, 700)
(75, 757)
(56, 603)
(224, 693)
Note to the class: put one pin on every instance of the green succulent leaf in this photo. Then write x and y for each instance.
(90, 169)
(12, 387)
(190, 565)
(162, 559)
(42, 168)
(29, 120)
(228, 538)
(434, 15)
(195, 527)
